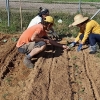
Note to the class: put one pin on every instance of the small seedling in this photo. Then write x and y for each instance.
(9, 79)
(5, 96)
(74, 57)
(14, 39)
(80, 99)
(75, 66)
(82, 90)
(98, 54)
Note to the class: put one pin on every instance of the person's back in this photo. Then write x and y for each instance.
(27, 34)
(34, 21)
(94, 26)
(43, 12)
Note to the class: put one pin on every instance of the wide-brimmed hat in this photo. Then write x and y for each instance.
(78, 19)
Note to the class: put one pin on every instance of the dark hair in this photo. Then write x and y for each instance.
(43, 22)
(43, 11)
(85, 21)
(40, 9)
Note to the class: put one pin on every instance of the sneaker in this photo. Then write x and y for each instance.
(27, 62)
(92, 52)
(93, 49)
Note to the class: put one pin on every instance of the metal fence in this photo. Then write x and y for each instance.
(32, 6)
(72, 7)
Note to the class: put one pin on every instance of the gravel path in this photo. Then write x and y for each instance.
(54, 7)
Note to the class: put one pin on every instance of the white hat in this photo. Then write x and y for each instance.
(79, 19)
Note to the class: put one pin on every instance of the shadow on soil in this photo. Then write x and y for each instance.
(50, 52)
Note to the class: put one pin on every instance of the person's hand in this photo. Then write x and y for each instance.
(79, 47)
(65, 47)
(72, 44)
(55, 34)
(46, 40)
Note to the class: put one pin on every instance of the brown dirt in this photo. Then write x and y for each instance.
(58, 74)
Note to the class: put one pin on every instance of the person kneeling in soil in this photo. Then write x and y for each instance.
(34, 40)
(89, 31)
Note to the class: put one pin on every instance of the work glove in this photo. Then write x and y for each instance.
(72, 44)
(55, 34)
(79, 47)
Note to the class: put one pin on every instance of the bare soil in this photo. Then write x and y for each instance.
(57, 75)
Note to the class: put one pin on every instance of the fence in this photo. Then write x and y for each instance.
(32, 6)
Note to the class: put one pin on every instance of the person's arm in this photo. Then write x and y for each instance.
(77, 38)
(35, 37)
(88, 30)
(75, 41)
(57, 44)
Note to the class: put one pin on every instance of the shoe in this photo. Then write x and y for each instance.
(93, 49)
(92, 52)
(27, 62)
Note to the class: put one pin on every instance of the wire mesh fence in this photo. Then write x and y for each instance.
(24, 10)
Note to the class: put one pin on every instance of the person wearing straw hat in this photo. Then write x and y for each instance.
(34, 40)
(89, 30)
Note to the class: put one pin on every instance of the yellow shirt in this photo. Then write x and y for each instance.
(91, 27)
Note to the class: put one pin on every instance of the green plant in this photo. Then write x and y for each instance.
(9, 80)
(61, 28)
(47, 1)
(5, 96)
(98, 54)
(82, 90)
(74, 58)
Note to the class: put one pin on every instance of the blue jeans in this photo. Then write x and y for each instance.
(81, 37)
(94, 38)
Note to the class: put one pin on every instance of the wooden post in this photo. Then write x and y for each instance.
(20, 14)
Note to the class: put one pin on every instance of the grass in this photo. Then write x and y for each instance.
(60, 28)
(15, 25)
(50, 1)
(15, 22)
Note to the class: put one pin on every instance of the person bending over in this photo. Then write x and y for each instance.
(34, 40)
(43, 12)
(89, 31)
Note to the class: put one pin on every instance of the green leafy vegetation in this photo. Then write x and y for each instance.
(74, 58)
(5, 96)
(15, 21)
(60, 28)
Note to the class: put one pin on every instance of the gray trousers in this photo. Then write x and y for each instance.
(27, 48)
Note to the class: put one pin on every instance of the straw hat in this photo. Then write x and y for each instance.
(78, 19)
